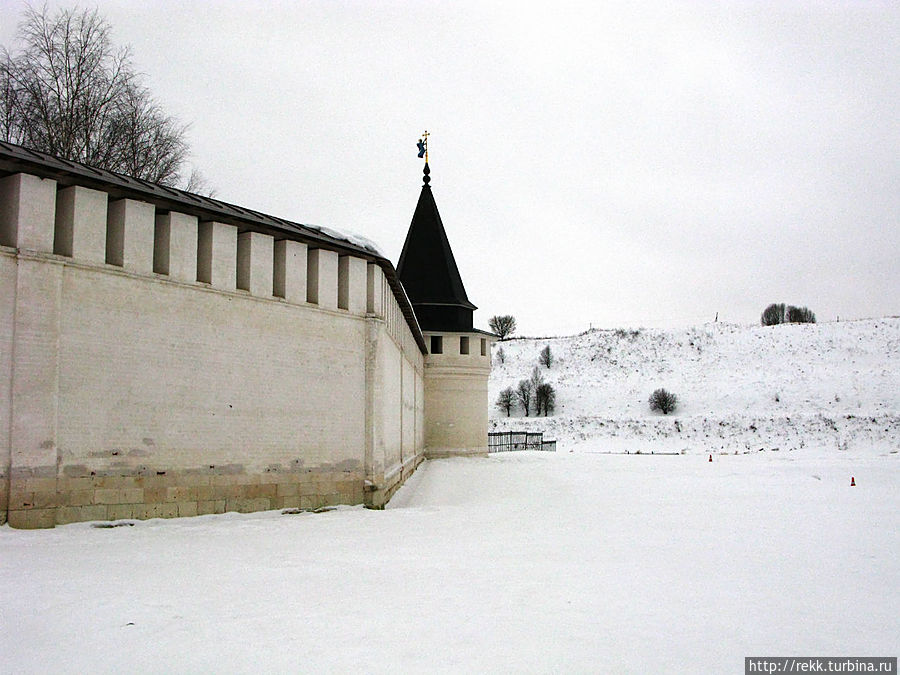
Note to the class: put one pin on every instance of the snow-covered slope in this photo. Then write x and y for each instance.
(832, 386)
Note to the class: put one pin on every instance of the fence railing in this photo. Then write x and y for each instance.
(510, 441)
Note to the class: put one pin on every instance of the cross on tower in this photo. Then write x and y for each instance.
(423, 146)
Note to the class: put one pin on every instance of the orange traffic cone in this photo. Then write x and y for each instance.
(710, 458)
(852, 481)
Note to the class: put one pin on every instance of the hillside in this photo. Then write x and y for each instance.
(829, 386)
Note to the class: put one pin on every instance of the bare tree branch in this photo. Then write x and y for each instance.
(69, 92)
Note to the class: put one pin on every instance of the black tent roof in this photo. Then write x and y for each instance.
(428, 271)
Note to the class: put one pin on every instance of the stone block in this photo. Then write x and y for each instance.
(288, 502)
(352, 284)
(79, 514)
(120, 511)
(80, 231)
(175, 246)
(322, 278)
(255, 263)
(46, 500)
(288, 489)
(155, 495)
(312, 501)
(289, 280)
(180, 494)
(186, 509)
(243, 505)
(205, 493)
(36, 484)
(77, 497)
(375, 290)
(27, 212)
(210, 506)
(129, 235)
(131, 496)
(147, 511)
(106, 496)
(334, 499)
(217, 255)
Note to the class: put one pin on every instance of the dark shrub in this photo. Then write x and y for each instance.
(663, 401)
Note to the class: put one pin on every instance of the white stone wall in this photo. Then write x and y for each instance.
(456, 395)
(7, 318)
(397, 374)
(154, 365)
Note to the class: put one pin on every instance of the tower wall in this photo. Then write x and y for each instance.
(456, 394)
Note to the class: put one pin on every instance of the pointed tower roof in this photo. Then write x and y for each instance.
(428, 271)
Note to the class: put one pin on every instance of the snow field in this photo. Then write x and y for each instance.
(523, 562)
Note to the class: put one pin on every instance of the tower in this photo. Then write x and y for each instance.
(458, 362)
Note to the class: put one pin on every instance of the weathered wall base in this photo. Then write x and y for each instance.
(45, 502)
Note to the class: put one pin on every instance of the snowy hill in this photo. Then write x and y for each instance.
(829, 386)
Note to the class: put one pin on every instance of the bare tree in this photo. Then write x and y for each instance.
(773, 314)
(799, 315)
(506, 400)
(546, 357)
(663, 401)
(777, 313)
(537, 379)
(501, 355)
(545, 398)
(504, 326)
(70, 93)
(525, 390)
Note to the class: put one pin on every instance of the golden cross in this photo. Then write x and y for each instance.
(425, 140)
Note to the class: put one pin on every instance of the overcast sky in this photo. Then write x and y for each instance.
(605, 164)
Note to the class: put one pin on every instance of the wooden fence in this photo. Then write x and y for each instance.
(510, 441)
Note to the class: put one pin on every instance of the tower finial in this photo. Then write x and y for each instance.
(423, 146)
(423, 152)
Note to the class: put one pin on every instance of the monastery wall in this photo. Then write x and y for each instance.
(154, 365)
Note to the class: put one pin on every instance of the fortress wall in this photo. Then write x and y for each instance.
(154, 364)
(7, 306)
(396, 366)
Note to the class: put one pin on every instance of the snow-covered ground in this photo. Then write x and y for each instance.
(574, 561)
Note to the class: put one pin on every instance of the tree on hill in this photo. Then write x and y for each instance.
(506, 400)
(545, 398)
(777, 313)
(504, 326)
(501, 355)
(800, 315)
(524, 391)
(537, 379)
(546, 357)
(663, 401)
(773, 315)
(69, 92)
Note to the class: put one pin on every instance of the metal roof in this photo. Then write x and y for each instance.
(428, 269)
(17, 159)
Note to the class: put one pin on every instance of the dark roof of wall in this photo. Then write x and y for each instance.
(17, 159)
(427, 267)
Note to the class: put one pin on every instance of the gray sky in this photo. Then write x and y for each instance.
(594, 163)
